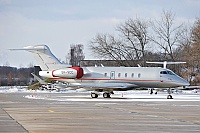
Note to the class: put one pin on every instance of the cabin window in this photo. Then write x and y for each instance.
(47, 72)
(125, 75)
(105, 74)
(119, 75)
(132, 75)
(139, 75)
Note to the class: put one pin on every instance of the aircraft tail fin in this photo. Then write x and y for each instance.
(44, 57)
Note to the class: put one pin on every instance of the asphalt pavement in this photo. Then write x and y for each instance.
(78, 113)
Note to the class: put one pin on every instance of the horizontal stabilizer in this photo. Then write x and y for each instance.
(28, 49)
(44, 57)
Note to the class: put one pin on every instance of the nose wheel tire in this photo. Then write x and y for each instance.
(169, 97)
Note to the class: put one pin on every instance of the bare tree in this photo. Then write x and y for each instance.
(130, 45)
(166, 34)
(75, 54)
(108, 47)
(196, 32)
(135, 34)
(191, 54)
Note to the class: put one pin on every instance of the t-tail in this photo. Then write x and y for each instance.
(45, 59)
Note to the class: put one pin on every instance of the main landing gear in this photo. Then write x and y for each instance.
(94, 95)
(105, 94)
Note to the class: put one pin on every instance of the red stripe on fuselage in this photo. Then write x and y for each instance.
(110, 79)
(53, 74)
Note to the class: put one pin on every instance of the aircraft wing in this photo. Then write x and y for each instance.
(165, 63)
(39, 79)
(104, 86)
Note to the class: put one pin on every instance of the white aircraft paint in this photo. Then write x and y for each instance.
(104, 79)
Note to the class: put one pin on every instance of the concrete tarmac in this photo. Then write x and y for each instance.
(78, 113)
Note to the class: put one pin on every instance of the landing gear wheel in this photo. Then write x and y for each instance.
(106, 95)
(169, 97)
(94, 95)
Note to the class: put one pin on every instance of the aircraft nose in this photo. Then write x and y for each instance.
(183, 82)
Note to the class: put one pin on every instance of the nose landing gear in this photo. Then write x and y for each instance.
(169, 92)
(169, 97)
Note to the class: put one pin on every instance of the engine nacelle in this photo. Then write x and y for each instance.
(71, 73)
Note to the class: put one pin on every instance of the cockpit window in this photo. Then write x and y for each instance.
(170, 72)
(167, 72)
(163, 72)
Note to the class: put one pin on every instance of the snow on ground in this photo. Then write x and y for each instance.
(134, 95)
(116, 97)
(20, 89)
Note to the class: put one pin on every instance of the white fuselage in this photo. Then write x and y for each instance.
(103, 79)
(127, 77)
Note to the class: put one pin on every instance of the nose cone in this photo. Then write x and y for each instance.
(183, 82)
(186, 83)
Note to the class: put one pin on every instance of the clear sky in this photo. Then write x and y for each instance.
(59, 23)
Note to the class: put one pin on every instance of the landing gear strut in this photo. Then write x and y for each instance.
(151, 91)
(169, 92)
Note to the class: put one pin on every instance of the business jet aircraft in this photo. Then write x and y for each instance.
(104, 79)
